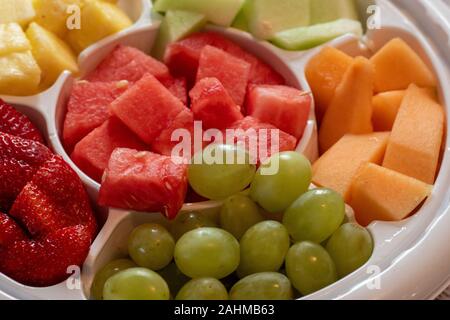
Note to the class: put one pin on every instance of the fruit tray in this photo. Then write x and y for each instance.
(402, 250)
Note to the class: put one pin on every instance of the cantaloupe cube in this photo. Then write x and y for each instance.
(20, 11)
(19, 74)
(385, 109)
(414, 146)
(12, 39)
(324, 73)
(338, 166)
(397, 66)
(378, 193)
(51, 53)
(53, 15)
(350, 110)
(98, 20)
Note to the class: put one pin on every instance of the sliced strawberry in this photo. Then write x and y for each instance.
(53, 199)
(10, 231)
(45, 262)
(17, 124)
(19, 160)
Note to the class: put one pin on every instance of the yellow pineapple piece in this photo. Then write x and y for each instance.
(12, 39)
(51, 53)
(19, 74)
(53, 15)
(20, 11)
(98, 20)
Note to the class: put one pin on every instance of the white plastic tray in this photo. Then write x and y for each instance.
(416, 248)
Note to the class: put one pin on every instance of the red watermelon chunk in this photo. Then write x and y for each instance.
(212, 104)
(164, 145)
(178, 87)
(128, 63)
(183, 56)
(147, 108)
(88, 108)
(243, 134)
(284, 107)
(232, 72)
(144, 181)
(92, 153)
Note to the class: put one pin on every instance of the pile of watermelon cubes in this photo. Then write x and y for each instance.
(120, 118)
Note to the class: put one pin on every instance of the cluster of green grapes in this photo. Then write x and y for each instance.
(273, 241)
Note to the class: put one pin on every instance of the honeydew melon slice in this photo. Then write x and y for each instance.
(329, 10)
(241, 21)
(267, 17)
(176, 25)
(221, 12)
(308, 37)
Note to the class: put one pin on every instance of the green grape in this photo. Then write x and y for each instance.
(315, 215)
(136, 284)
(175, 279)
(203, 289)
(238, 214)
(309, 267)
(262, 286)
(187, 221)
(220, 171)
(105, 273)
(263, 248)
(151, 246)
(350, 247)
(276, 192)
(207, 252)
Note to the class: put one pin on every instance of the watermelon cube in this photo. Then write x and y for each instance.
(183, 56)
(212, 104)
(256, 137)
(178, 87)
(144, 181)
(147, 108)
(88, 108)
(127, 63)
(231, 71)
(164, 144)
(92, 153)
(284, 107)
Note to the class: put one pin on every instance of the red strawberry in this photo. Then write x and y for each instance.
(53, 199)
(17, 124)
(10, 231)
(19, 160)
(44, 262)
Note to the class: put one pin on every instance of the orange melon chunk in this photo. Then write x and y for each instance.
(397, 66)
(350, 110)
(378, 193)
(324, 73)
(415, 142)
(385, 109)
(338, 166)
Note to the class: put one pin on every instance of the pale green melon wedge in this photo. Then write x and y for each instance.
(308, 37)
(241, 21)
(221, 12)
(330, 10)
(267, 17)
(176, 25)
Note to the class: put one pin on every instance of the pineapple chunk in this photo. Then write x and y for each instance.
(19, 74)
(12, 39)
(52, 14)
(20, 11)
(51, 53)
(98, 20)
